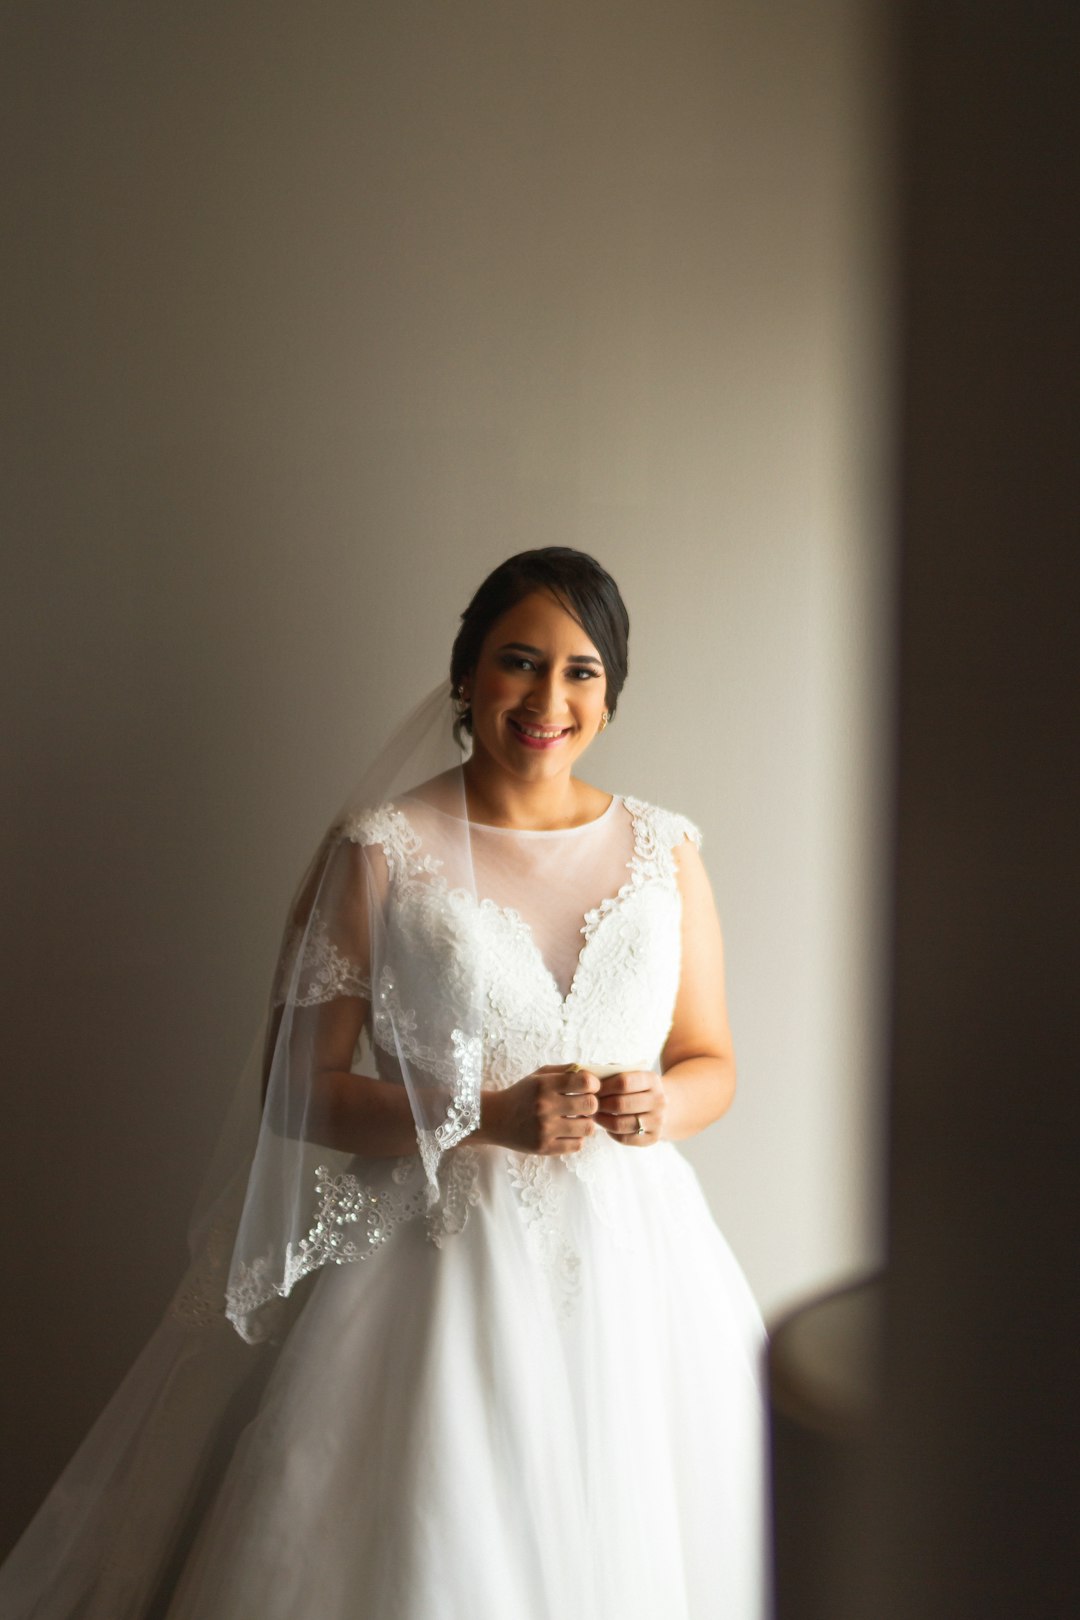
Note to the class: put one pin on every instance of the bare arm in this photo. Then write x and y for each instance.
(372, 1117)
(698, 1061)
(545, 1112)
(638, 1107)
(354, 1113)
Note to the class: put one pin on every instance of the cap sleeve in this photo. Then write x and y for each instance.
(389, 829)
(325, 952)
(657, 835)
(672, 828)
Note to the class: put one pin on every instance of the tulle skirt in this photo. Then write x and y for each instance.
(552, 1419)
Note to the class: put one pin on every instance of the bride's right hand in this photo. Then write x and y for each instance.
(547, 1112)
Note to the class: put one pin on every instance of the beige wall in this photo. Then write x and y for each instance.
(317, 313)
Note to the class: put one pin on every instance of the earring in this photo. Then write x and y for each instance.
(461, 702)
(604, 718)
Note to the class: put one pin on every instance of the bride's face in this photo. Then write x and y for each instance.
(538, 690)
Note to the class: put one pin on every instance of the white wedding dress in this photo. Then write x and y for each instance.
(541, 1400)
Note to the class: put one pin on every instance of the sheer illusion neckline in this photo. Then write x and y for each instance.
(550, 832)
(589, 922)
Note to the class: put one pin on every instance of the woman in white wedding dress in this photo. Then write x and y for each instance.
(518, 1375)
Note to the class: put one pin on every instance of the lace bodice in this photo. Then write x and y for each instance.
(619, 1002)
(617, 1007)
(621, 996)
(608, 999)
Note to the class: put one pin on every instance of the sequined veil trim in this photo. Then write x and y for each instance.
(628, 970)
(351, 1217)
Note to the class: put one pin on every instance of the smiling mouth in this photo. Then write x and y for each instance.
(539, 734)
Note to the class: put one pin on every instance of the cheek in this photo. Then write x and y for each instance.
(494, 688)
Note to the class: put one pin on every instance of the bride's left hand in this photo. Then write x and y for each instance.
(625, 1098)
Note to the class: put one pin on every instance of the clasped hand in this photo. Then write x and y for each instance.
(557, 1107)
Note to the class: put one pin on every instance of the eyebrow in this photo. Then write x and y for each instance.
(534, 652)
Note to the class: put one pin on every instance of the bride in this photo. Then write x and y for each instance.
(460, 1336)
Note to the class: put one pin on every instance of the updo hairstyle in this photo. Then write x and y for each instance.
(578, 584)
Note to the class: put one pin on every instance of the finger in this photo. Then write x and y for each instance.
(571, 1129)
(634, 1138)
(579, 1081)
(631, 1102)
(627, 1133)
(555, 1100)
(568, 1104)
(615, 1085)
(626, 1124)
(612, 1084)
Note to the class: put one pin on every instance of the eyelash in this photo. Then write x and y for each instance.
(510, 662)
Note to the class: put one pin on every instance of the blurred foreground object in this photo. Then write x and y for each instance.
(967, 1498)
(824, 1385)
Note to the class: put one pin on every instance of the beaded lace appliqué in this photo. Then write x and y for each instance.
(417, 879)
(323, 974)
(618, 1007)
(199, 1300)
(351, 1220)
(463, 1114)
(541, 1195)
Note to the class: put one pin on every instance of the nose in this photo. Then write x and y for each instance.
(543, 699)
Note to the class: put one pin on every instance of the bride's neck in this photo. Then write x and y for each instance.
(498, 800)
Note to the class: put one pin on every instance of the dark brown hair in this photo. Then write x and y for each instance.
(578, 584)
